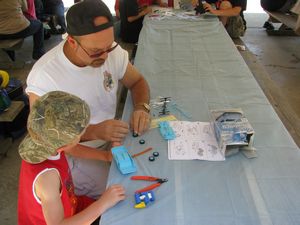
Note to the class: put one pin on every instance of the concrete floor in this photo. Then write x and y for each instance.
(277, 58)
(274, 61)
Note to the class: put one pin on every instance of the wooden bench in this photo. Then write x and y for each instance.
(8, 116)
(288, 21)
(9, 46)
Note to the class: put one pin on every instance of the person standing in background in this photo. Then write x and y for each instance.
(117, 21)
(228, 12)
(57, 8)
(14, 25)
(152, 2)
(117, 8)
(132, 16)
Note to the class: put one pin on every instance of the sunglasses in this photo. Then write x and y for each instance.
(97, 55)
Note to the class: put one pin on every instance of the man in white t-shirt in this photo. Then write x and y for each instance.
(89, 64)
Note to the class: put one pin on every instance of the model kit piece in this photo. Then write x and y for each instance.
(155, 154)
(234, 132)
(151, 158)
(140, 205)
(164, 110)
(143, 199)
(124, 161)
(166, 130)
(142, 152)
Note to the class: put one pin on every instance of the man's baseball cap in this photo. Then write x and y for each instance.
(80, 17)
(56, 119)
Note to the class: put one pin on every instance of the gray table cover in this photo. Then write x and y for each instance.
(197, 64)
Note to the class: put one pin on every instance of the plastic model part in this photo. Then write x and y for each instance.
(166, 130)
(124, 161)
(143, 199)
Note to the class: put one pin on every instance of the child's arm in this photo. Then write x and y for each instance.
(48, 188)
(108, 199)
(86, 152)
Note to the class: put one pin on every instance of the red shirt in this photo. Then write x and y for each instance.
(30, 14)
(117, 5)
(145, 2)
(29, 209)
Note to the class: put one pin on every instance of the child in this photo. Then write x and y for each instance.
(46, 192)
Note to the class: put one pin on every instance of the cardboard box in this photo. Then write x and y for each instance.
(233, 130)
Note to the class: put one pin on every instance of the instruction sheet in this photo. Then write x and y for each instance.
(194, 140)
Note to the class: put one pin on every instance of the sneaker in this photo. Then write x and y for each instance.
(47, 34)
(268, 25)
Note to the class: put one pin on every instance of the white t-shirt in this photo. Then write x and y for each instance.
(97, 86)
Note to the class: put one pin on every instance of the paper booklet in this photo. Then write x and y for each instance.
(194, 140)
(228, 133)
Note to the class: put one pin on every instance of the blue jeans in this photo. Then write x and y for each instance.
(117, 27)
(37, 30)
(58, 10)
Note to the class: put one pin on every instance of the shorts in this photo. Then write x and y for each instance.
(235, 27)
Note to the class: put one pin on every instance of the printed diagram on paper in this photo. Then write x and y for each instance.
(194, 140)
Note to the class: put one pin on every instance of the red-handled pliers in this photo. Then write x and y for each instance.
(148, 178)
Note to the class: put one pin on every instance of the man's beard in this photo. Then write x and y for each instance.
(97, 63)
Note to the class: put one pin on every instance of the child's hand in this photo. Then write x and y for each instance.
(115, 143)
(147, 10)
(108, 156)
(112, 196)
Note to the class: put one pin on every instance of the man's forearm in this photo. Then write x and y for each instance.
(91, 133)
(134, 18)
(140, 92)
(235, 11)
(86, 152)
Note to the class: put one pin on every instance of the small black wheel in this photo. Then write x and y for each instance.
(155, 154)
(151, 158)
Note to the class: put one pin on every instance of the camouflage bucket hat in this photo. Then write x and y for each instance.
(55, 120)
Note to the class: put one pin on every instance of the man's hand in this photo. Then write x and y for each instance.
(147, 10)
(140, 121)
(113, 130)
(108, 130)
(209, 8)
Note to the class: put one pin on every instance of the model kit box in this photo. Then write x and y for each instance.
(233, 131)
